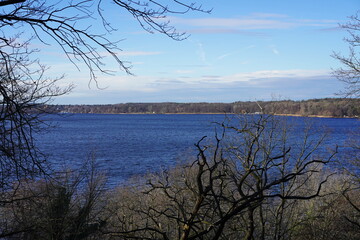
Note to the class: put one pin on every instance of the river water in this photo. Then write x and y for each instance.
(125, 145)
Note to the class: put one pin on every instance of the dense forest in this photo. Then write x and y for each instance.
(330, 107)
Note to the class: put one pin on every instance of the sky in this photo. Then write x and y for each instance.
(241, 51)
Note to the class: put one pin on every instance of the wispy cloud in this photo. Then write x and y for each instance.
(226, 31)
(274, 75)
(246, 24)
(268, 15)
(318, 22)
(201, 52)
(237, 23)
(256, 78)
(331, 29)
(274, 49)
(137, 53)
(180, 71)
(247, 79)
(241, 86)
(225, 55)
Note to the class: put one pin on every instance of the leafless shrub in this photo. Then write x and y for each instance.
(227, 192)
(67, 206)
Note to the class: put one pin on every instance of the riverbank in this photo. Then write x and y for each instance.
(286, 115)
(330, 107)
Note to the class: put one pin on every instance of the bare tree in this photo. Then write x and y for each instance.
(350, 72)
(66, 206)
(23, 91)
(24, 88)
(350, 75)
(352, 169)
(224, 192)
(61, 22)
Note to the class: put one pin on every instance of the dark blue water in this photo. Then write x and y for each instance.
(127, 145)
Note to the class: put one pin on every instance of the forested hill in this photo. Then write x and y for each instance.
(331, 107)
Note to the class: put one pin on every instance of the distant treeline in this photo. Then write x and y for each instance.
(331, 107)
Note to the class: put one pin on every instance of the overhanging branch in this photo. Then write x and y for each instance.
(10, 2)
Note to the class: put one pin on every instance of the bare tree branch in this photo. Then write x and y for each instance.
(349, 74)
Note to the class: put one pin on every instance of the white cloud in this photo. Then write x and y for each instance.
(153, 83)
(238, 23)
(294, 83)
(253, 21)
(274, 74)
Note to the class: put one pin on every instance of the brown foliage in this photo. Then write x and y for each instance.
(228, 192)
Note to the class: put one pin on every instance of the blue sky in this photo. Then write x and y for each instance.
(242, 51)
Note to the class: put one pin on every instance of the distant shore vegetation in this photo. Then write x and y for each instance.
(327, 107)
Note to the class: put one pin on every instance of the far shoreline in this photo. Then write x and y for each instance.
(320, 108)
(275, 114)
